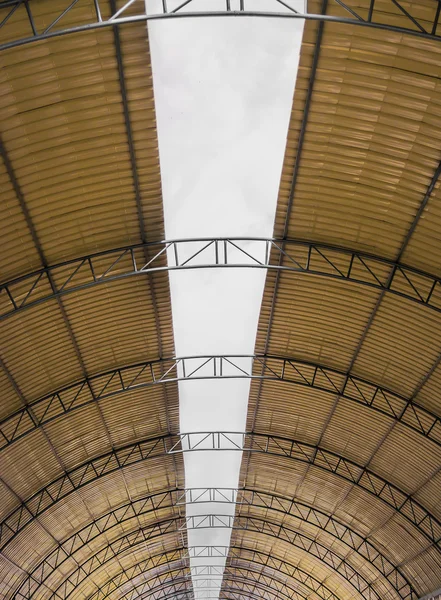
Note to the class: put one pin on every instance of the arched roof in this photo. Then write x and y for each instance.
(339, 493)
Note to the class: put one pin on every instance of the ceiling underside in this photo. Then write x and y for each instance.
(340, 482)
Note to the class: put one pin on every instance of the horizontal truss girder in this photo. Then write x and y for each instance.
(263, 367)
(358, 475)
(392, 15)
(242, 497)
(287, 256)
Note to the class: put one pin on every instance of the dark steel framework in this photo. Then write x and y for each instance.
(173, 592)
(347, 470)
(177, 499)
(136, 575)
(245, 584)
(392, 271)
(290, 256)
(137, 538)
(178, 582)
(269, 368)
(258, 565)
(388, 276)
(134, 11)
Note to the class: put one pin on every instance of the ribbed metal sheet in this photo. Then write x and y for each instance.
(80, 173)
(360, 168)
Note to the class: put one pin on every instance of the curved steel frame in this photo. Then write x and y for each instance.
(175, 595)
(272, 368)
(256, 524)
(254, 576)
(270, 502)
(346, 469)
(144, 568)
(177, 584)
(290, 256)
(268, 560)
(180, 583)
(248, 586)
(373, 18)
(175, 498)
(188, 595)
(257, 568)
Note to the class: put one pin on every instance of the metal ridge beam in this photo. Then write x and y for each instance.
(407, 506)
(279, 504)
(375, 18)
(271, 368)
(288, 256)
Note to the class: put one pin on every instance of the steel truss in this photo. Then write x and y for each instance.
(290, 256)
(202, 576)
(254, 588)
(278, 504)
(159, 595)
(160, 583)
(129, 541)
(84, 15)
(258, 366)
(180, 583)
(115, 460)
(255, 558)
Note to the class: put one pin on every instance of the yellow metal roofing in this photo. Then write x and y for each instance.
(340, 497)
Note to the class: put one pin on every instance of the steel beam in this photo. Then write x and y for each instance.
(276, 504)
(175, 583)
(347, 470)
(141, 570)
(264, 526)
(258, 590)
(269, 368)
(397, 19)
(235, 592)
(284, 256)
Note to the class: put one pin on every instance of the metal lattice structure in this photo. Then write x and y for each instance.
(41, 25)
(339, 494)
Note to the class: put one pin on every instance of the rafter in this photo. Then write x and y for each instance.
(406, 22)
(347, 470)
(264, 526)
(269, 368)
(287, 256)
(244, 586)
(276, 504)
(250, 571)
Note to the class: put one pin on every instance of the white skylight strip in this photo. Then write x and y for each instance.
(223, 94)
